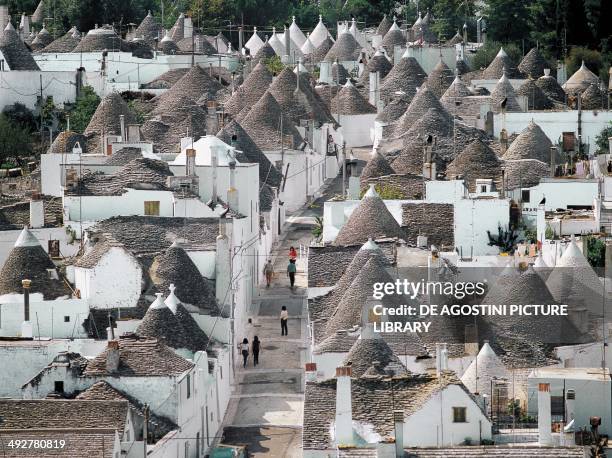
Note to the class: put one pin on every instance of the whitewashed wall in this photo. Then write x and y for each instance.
(433, 424)
(116, 281)
(554, 123)
(47, 317)
(473, 217)
(24, 87)
(356, 129)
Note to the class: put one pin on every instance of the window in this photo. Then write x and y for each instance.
(188, 386)
(58, 386)
(151, 208)
(459, 415)
(66, 319)
(483, 188)
(525, 195)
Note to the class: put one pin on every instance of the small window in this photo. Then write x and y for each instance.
(459, 415)
(151, 208)
(58, 386)
(66, 319)
(483, 188)
(525, 195)
(188, 386)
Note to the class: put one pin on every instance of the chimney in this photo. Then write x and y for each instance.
(287, 42)
(441, 358)
(240, 39)
(122, 122)
(374, 88)
(112, 356)
(213, 161)
(398, 420)
(544, 414)
(344, 409)
(212, 123)
(26, 326)
(37, 212)
(311, 372)
(222, 266)
(232, 192)
(503, 183)
(553, 159)
(190, 154)
(503, 140)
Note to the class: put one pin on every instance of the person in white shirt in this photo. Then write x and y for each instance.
(245, 351)
(284, 317)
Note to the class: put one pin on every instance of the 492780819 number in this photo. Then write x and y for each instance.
(37, 443)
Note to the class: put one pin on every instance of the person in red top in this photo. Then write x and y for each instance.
(292, 254)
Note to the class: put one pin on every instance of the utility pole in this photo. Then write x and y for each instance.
(42, 142)
(343, 168)
(145, 428)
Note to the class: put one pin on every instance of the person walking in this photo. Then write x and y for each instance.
(245, 351)
(255, 350)
(268, 272)
(292, 254)
(284, 317)
(291, 270)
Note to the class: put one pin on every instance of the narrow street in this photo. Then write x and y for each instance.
(265, 411)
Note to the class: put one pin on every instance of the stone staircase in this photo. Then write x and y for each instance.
(496, 451)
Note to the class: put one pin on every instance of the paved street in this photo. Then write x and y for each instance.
(266, 409)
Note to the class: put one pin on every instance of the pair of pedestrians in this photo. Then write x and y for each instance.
(291, 269)
(244, 347)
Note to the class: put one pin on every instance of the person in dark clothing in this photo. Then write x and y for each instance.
(256, 350)
(245, 351)
(291, 270)
(284, 317)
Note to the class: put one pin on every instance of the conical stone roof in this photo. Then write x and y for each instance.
(250, 91)
(263, 124)
(406, 76)
(349, 101)
(168, 46)
(296, 34)
(394, 37)
(268, 173)
(371, 219)
(533, 64)
(319, 34)
(455, 40)
(15, 52)
(43, 38)
(65, 142)
(254, 43)
(344, 49)
(486, 367)
(28, 260)
(440, 78)
(372, 350)
(351, 309)
(148, 30)
(593, 98)
(580, 80)
(195, 84)
(304, 104)
(495, 70)
(106, 120)
(159, 322)
(177, 32)
(532, 143)
(420, 104)
(101, 39)
(308, 48)
(384, 26)
(174, 266)
(318, 55)
(394, 110)
(376, 167)
(378, 63)
(536, 99)
(265, 52)
(455, 91)
(65, 43)
(574, 282)
(339, 74)
(476, 161)
(39, 13)
(525, 173)
(551, 88)
(504, 91)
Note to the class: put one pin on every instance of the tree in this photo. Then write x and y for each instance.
(507, 20)
(85, 107)
(14, 140)
(505, 239)
(486, 53)
(601, 141)
(19, 114)
(596, 251)
(450, 15)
